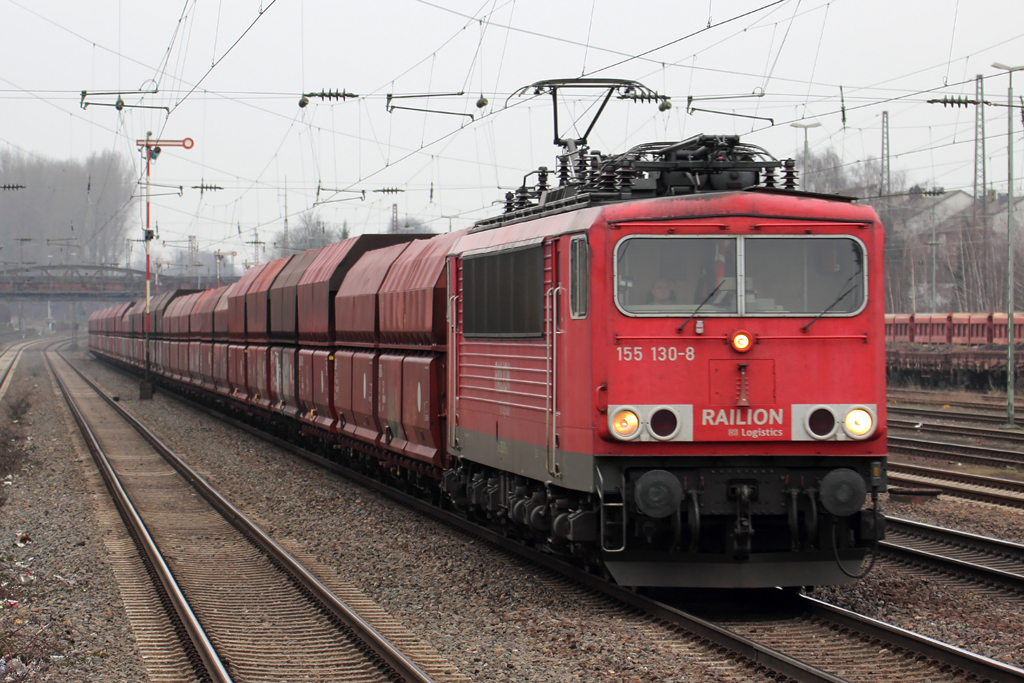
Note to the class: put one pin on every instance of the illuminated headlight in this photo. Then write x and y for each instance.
(741, 341)
(625, 424)
(859, 423)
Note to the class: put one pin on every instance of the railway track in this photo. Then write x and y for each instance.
(981, 408)
(936, 398)
(1008, 492)
(978, 455)
(245, 609)
(810, 641)
(943, 414)
(9, 358)
(985, 560)
(919, 426)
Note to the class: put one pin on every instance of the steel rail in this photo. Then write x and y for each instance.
(956, 430)
(936, 413)
(967, 398)
(211, 661)
(946, 481)
(948, 563)
(17, 349)
(995, 546)
(380, 645)
(963, 662)
(994, 457)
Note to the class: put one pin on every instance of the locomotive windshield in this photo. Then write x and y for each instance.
(795, 276)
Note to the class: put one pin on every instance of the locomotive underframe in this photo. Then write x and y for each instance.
(743, 521)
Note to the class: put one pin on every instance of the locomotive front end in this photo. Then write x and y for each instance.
(741, 397)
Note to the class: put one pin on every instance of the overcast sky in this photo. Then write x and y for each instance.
(231, 72)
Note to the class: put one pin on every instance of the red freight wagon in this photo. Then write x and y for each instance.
(201, 324)
(363, 424)
(257, 301)
(357, 322)
(932, 328)
(258, 314)
(999, 327)
(355, 305)
(422, 379)
(981, 328)
(412, 298)
(220, 339)
(187, 357)
(320, 282)
(170, 348)
(238, 370)
(236, 303)
(960, 328)
(284, 316)
(904, 327)
(322, 414)
(284, 362)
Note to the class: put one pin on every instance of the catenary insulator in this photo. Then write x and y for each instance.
(624, 177)
(522, 199)
(789, 175)
(582, 169)
(563, 170)
(607, 178)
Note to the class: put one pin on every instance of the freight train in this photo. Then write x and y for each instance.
(668, 368)
(964, 350)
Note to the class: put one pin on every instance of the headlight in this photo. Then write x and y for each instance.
(742, 341)
(858, 423)
(625, 424)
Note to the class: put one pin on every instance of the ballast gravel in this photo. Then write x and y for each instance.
(60, 606)
(500, 619)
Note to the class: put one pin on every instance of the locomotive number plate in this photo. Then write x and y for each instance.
(656, 353)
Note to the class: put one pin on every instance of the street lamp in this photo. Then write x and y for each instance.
(807, 152)
(1009, 242)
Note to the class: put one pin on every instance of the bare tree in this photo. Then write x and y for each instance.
(827, 173)
(311, 232)
(87, 206)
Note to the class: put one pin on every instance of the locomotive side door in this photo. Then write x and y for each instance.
(452, 319)
(553, 303)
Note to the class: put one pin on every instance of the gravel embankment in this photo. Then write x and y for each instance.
(493, 616)
(61, 607)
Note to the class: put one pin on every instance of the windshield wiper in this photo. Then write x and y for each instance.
(834, 303)
(697, 310)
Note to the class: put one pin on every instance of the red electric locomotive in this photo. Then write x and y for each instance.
(689, 389)
(670, 366)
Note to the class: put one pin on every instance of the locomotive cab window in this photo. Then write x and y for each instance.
(671, 276)
(803, 275)
(665, 276)
(503, 294)
(579, 268)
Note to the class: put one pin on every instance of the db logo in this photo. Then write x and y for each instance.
(734, 432)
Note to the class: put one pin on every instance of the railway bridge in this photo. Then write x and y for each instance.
(89, 283)
(72, 286)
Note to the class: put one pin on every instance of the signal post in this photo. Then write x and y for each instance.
(151, 148)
